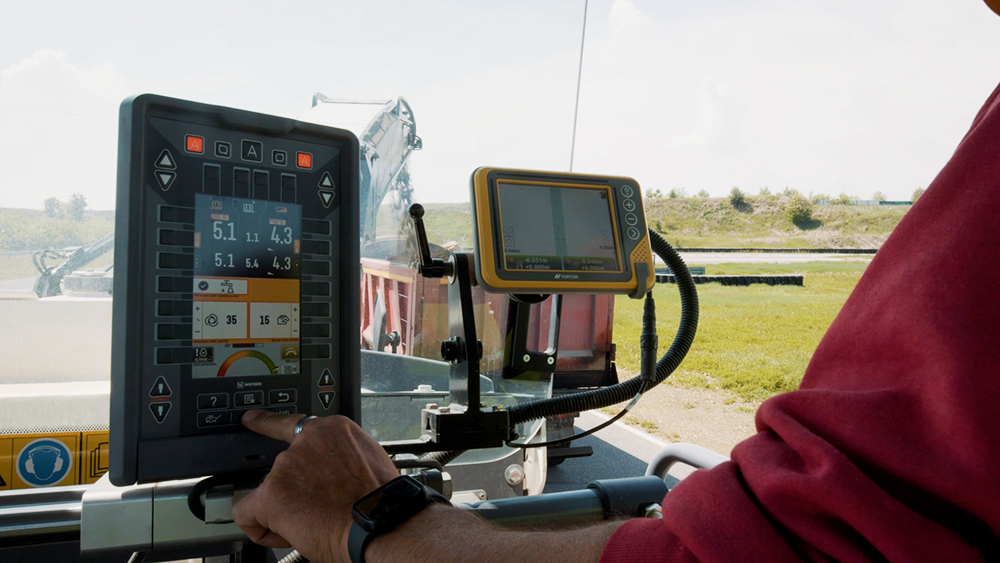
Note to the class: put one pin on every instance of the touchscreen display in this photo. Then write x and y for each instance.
(557, 228)
(247, 272)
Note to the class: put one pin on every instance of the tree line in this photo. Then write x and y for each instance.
(72, 209)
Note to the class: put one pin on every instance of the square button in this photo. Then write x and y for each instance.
(249, 398)
(253, 151)
(304, 160)
(194, 143)
(281, 396)
(279, 158)
(209, 401)
(223, 149)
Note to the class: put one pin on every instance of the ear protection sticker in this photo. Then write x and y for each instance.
(44, 462)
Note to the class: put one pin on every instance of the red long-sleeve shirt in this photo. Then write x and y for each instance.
(890, 449)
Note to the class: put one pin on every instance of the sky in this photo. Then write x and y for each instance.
(825, 97)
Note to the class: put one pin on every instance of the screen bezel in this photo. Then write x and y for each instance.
(495, 278)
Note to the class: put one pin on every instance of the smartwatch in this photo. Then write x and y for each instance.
(385, 508)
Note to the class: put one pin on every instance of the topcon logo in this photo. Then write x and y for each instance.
(567, 277)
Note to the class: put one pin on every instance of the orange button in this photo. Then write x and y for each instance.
(194, 143)
(304, 159)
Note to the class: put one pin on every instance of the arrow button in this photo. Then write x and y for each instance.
(326, 379)
(327, 181)
(326, 196)
(166, 160)
(166, 178)
(326, 397)
(160, 388)
(160, 410)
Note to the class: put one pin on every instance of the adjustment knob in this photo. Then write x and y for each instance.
(450, 350)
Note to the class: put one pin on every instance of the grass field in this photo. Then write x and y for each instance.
(713, 222)
(752, 341)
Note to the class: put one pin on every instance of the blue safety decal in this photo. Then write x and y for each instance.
(44, 462)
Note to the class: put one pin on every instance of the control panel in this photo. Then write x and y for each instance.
(547, 232)
(235, 288)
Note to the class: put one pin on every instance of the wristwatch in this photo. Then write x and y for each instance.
(385, 508)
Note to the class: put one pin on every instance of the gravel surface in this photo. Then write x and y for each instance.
(713, 419)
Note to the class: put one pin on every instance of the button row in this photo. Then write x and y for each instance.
(209, 419)
(209, 401)
(631, 218)
(246, 183)
(250, 151)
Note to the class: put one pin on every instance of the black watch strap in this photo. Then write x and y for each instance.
(359, 536)
(357, 541)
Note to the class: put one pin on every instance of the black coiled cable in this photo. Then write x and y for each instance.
(621, 392)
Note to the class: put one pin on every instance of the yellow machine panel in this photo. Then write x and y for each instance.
(52, 459)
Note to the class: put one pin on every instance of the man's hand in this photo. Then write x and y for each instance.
(306, 499)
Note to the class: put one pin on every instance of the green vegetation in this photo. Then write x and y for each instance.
(714, 222)
(739, 200)
(29, 229)
(764, 221)
(754, 341)
(798, 211)
(16, 266)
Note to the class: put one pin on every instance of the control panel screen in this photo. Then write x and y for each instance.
(550, 228)
(247, 274)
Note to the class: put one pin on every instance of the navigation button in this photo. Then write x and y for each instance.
(253, 151)
(249, 399)
(633, 233)
(631, 219)
(206, 419)
(211, 179)
(281, 396)
(166, 178)
(326, 397)
(223, 149)
(326, 380)
(304, 160)
(160, 410)
(165, 160)
(326, 197)
(279, 158)
(241, 182)
(160, 388)
(194, 143)
(327, 181)
(209, 401)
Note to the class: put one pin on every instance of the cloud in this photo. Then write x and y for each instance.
(628, 22)
(718, 126)
(58, 130)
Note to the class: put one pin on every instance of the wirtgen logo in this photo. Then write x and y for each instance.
(567, 277)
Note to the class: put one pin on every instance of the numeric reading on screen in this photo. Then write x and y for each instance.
(246, 287)
(557, 228)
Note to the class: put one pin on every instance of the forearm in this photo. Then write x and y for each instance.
(440, 534)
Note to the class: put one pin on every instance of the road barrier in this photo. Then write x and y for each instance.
(786, 250)
(786, 279)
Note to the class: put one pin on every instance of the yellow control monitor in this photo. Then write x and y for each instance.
(549, 232)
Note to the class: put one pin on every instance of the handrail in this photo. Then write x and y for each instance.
(37, 516)
(689, 454)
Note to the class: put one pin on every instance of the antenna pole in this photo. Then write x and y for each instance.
(579, 77)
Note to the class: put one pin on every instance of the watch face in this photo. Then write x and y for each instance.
(395, 500)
